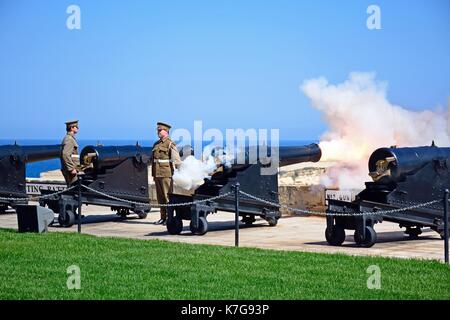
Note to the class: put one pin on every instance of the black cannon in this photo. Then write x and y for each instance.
(249, 175)
(117, 171)
(402, 177)
(13, 160)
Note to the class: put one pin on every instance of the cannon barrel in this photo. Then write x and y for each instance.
(394, 164)
(30, 154)
(286, 155)
(41, 152)
(110, 156)
(308, 153)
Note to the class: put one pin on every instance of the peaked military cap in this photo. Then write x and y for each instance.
(71, 123)
(164, 126)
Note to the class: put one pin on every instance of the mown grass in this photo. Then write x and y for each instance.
(34, 266)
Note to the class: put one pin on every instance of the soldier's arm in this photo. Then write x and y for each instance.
(175, 156)
(67, 155)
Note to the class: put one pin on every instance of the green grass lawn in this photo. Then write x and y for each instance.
(34, 266)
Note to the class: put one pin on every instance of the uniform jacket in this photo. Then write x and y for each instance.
(69, 154)
(165, 158)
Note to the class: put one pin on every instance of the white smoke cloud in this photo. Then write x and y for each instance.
(361, 119)
(193, 171)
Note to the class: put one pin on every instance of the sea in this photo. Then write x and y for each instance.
(33, 170)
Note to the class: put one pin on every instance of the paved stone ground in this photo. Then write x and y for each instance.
(292, 233)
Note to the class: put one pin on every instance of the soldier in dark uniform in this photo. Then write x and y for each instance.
(165, 159)
(70, 160)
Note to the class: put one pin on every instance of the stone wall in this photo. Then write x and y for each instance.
(302, 197)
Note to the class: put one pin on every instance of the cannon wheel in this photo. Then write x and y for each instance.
(66, 220)
(335, 236)
(202, 227)
(369, 240)
(174, 225)
(141, 214)
(248, 220)
(442, 234)
(413, 233)
(272, 221)
(123, 212)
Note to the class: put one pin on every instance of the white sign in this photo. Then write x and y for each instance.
(34, 188)
(342, 195)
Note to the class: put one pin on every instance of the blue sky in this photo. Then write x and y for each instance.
(231, 64)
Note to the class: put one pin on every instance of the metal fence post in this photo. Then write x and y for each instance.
(446, 225)
(79, 202)
(236, 216)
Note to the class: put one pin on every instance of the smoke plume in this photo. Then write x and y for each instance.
(361, 119)
(193, 171)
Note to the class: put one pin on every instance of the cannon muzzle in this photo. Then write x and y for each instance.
(292, 155)
(395, 164)
(283, 155)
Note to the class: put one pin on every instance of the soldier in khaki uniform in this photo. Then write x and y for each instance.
(70, 160)
(165, 159)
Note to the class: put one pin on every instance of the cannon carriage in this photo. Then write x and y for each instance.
(252, 178)
(402, 178)
(13, 161)
(119, 172)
